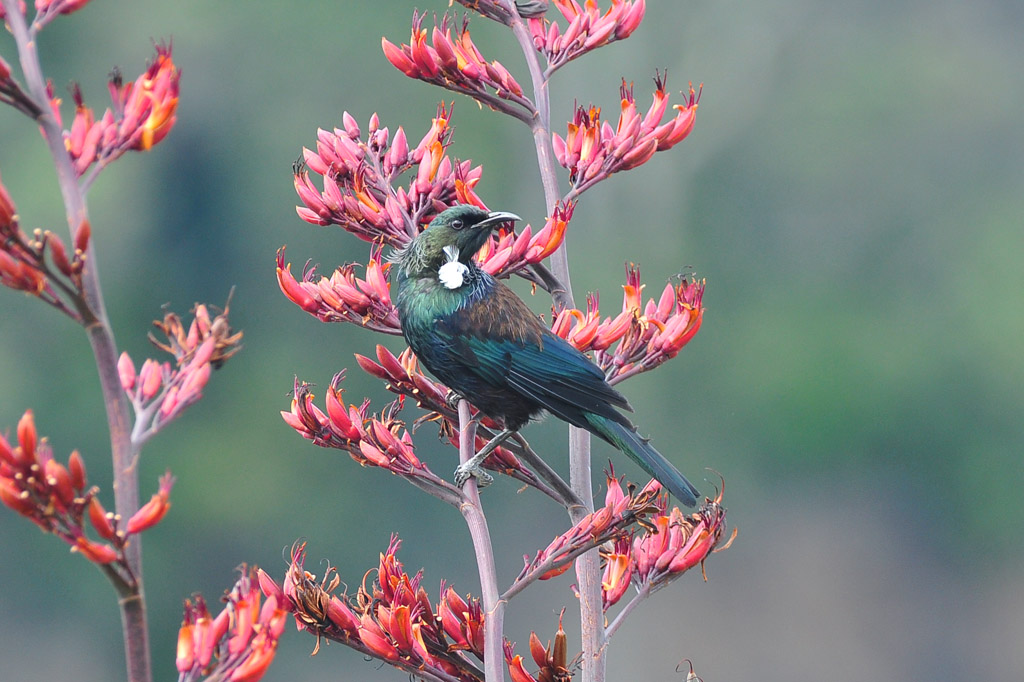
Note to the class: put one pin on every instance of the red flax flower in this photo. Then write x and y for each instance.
(588, 28)
(343, 297)
(609, 523)
(392, 619)
(643, 335)
(56, 497)
(142, 115)
(240, 643)
(592, 150)
(375, 441)
(360, 176)
(507, 252)
(672, 543)
(455, 63)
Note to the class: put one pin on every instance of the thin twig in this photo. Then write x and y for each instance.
(568, 497)
(641, 595)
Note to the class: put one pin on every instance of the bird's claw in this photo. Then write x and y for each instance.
(463, 474)
(452, 399)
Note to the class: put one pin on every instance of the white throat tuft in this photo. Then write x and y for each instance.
(452, 273)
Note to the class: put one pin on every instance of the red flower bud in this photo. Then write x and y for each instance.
(341, 615)
(82, 236)
(375, 639)
(398, 58)
(100, 520)
(27, 437)
(94, 551)
(59, 479)
(153, 511)
(14, 497)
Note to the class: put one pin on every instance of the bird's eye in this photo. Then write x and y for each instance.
(456, 224)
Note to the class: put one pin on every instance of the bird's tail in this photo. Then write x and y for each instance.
(650, 460)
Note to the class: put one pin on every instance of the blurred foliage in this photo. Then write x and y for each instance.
(852, 192)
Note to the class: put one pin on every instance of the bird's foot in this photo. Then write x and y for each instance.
(464, 472)
(452, 399)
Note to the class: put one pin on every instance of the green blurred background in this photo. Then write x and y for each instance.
(852, 192)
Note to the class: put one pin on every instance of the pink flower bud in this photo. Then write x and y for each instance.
(293, 290)
(375, 639)
(341, 615)
(631, 20)
(398, 155)
(151, 378)
(126, 372)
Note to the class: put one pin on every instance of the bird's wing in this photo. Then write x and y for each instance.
(500, 340)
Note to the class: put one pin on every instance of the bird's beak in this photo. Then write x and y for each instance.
(495, 217)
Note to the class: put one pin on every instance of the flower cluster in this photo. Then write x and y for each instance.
(56, 497)
(588, 28)
(392, 620)
(371, 440)
(550, 659)
(359, 178)
(457, 65)
(591, 150)
(609, 523)
(506, 252)
(343, 297)
(646, 334)
(41, 265)
(671, 544)
(159, 391)
(142, 114)
(237, 645)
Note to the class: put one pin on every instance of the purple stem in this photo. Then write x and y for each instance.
(472, 511)
(126, 488)
(588, 567)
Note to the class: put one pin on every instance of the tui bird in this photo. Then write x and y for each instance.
(475, 335)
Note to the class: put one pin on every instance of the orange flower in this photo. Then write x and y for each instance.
(155, 92)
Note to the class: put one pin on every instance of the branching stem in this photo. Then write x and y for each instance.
(101, 339)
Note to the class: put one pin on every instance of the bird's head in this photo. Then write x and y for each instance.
(465, 227)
